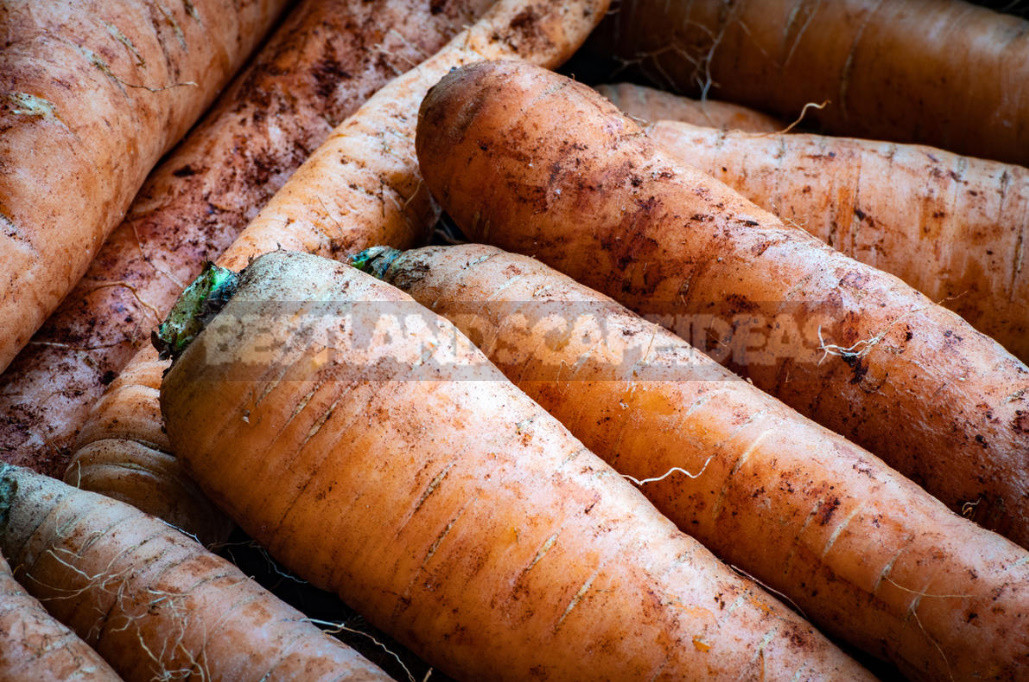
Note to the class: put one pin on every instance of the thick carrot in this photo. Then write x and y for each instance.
(92, 93)
(851, 347)
(938, 72)
(457, 516)
(327, 58)
(649, 104)
(34, 646)
(867, 555)
(362, 186)
(151, 601)
(951, 226)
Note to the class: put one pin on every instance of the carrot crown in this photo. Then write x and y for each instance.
(376, 260)
(8, 489)
(197, 305)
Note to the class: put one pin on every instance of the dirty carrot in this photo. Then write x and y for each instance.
(362, 186)
(867, 555)
(92, 94)
(456, 516)
(940, 72)
(151, 601)
(851, 347)
(34, 646)
(321, 64)
(951, 226)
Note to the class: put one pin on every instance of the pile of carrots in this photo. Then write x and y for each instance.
(547, 377)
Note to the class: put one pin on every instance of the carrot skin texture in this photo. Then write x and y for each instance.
(361, 187)
(951, 226)
(92, 94)
(325, 60)
(858, 548)
(909, 71)
(490, 542)
(652, 105)
(938, 401)
(151, 600)
(37, 647)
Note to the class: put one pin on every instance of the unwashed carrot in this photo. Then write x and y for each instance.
(851, 347)
(34, 646)
(325, 60)
(457, 516)
(951, 226)
(92, 93)
(939, 72)
(867, 555)
(151, 601)
(652, 105)
(362, 186)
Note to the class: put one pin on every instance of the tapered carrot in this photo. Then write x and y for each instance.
(951, 226)
(92, 93)
(867, 555)
(362, 186)
(653, 105)
(851, 347)
(938, 72)
(321, 64)
(457, 516)
(34, 646)
(151, 601)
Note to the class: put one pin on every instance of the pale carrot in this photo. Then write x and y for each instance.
(648, 104)
(151, 601)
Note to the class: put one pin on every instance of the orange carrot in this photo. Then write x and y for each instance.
(851, 347)
(34, 646)
(867, 555)
(457, 516)
(152, 602)
(951, 226)
(321, 64)
(362, 186)
(92, 94)
(939, 72)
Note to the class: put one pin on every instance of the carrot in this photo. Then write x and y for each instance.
(92, 94)
(851, 347)
(952, 227)
(151, 601)
(649, 104)
(457, 516)
(126, 456)
(37, 647)
(863, 552)
(939, 72)
(361, 187)
(320, 65)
